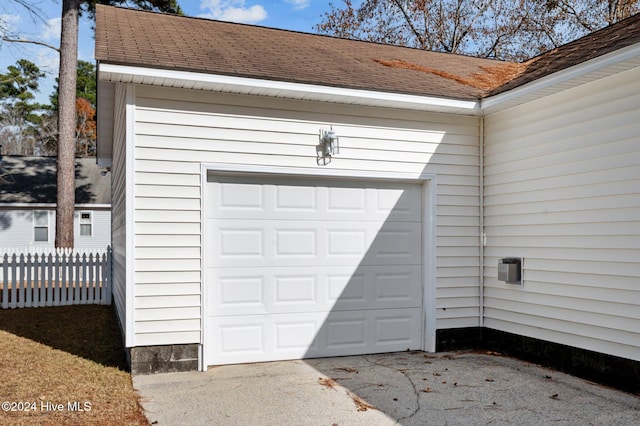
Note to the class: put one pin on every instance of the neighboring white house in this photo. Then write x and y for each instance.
(28, 202)
(238, 238)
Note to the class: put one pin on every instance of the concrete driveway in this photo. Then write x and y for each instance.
(407, 388)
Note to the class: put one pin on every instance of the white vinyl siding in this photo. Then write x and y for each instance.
(119, 209)
(100, 229)
(562, 190)
(17, 228)
(177, 130)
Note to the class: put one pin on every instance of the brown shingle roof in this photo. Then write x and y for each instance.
(130, 37)
(614, 37)
(147, 39)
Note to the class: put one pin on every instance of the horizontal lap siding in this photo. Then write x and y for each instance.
(16, 228)
(562, 189)
(167, 243)
(100, 229)
(118, 208)
(176, 131)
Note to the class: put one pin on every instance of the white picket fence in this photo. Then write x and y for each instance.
(32, 278)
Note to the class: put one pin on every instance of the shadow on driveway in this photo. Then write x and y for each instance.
(405, 388)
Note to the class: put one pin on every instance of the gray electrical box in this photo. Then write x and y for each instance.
(510, 270)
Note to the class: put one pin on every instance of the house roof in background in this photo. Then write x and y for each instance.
(33, 180)
(155, 40)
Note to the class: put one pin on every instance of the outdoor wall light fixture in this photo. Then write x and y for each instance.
(328, 147)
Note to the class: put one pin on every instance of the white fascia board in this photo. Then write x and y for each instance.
(93, 206)
(6, 206)
(593, 65)
(123, 73)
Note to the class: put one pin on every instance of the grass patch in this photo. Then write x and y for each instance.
(56, 360)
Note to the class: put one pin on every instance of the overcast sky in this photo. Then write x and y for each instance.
(298, 15)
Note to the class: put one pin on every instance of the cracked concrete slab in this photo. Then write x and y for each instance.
(407, 388)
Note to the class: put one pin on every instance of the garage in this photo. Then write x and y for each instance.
(304, 267)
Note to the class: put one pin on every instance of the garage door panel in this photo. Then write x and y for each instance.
(311, 268)
(296, 336)
(237, 292)
(250, 338)
(295, 199)
(397, 329)
(400, 206)
(292, 242)
(398, 287)
(234, 198)
(369, 331)
(346, 331)
(246, 337)
(297, 290)
(294, 290)
(376, 287)
(240, 339)
(248, 243)
(241, 243)
(256, 200)
(264, 290)
(347, 288)
(396, 243)
(346, 243)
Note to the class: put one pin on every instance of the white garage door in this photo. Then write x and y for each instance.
(300, 268)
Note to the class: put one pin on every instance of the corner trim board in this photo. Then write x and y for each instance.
(130, 99)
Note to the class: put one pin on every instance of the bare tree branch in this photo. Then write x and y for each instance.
(502, 29)
(33, 10)
(419, 36)
(21, 40)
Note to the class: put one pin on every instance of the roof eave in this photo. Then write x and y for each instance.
(603, 66)
(115, 73)
(27, 205)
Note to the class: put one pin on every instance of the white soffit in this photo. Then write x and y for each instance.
(280, 89)
(603, 66)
